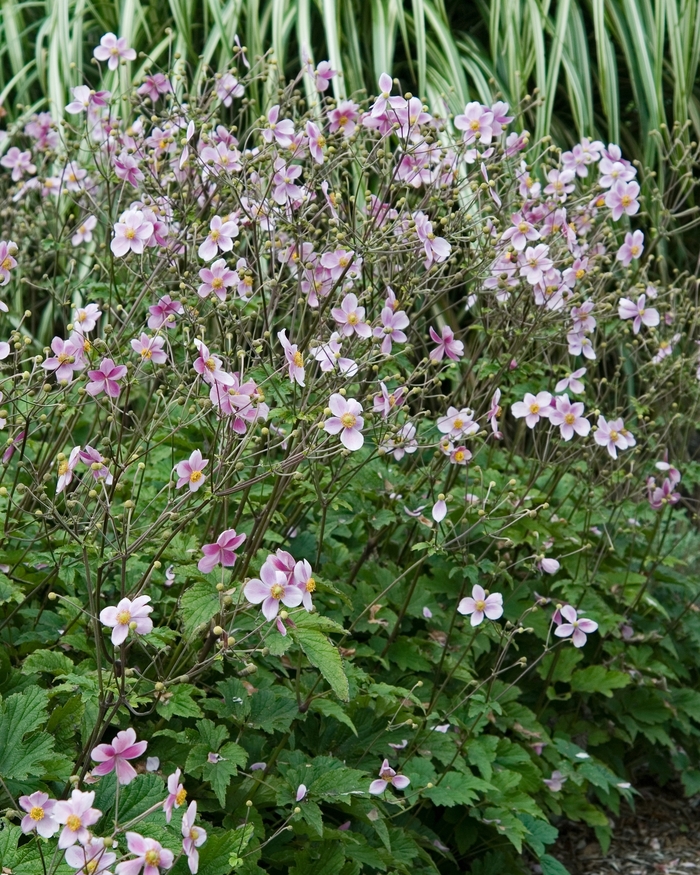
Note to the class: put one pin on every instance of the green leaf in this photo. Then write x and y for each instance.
(539, 833)
(216, 853)
(455, 788)
(323, 654)
(243, 834)
(218, 774)
(552, 866)
(179, 703)
(52, 661)
(312, 815)
(198, 605)
(329, 708)
(278, 644)
(598, 679)
(273, 713)
(338, 781)
(20, 715)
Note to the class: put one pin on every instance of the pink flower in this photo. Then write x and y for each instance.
(295, 360)
(285, 188)
(559, 183)
(130, 233)
(176, 795)
(535, 262)
(572, 382)
(549, 565)
(576, 628)
(115, 757)
(303, 577)
(391, 329)
(7, 262)
(90, 858)
(120, 618)
(580, 344)
(613, 436)
(660, 496)
(209, 366)
(112, 49)
(272, 588)
(641, 314)
(346, 421)
(84, 98)
(216, 279)
(127, 168)
(193, 837)
(340, 263)
(344, 117)
(476, 124)
(221, 234)
(163, 313)
(329, 357)
(151, 856)
(569, 417)
(40, 816)
(388, 401)
(66, 468)
(479, 605)
(351, 317)
(387, 776)
(281, 131)
(316, 142)
(460, 456)
(556, 782)
(86, 318)
(19, 162)
(446, 345)
(90, 456)
(583, 321)
(150, 349)
(105, 379)
(228, 87)
(631, 248)
(222, 552)
(77, 815)
(67, 359)
(190, 471)
(622, 198)
(458, 423)
(301, 792)
(155, 85)
(532, 407)
(323, 75)
(437, 249)
(439, 510)
(520, 232)
(404, 441)
(84, 231)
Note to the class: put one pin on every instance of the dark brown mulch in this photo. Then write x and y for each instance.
(662, 835)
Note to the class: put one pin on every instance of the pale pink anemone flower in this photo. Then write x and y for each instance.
(150, 349)
(303, 578)
(402, 442)
(92, 457)
(439, 510)
(66, 467)
(193, 837)
(281, 131)
(388, 776)
(40, 814)
(344, 118)
(151, 856)
(190, 471)
(83, 233)
(176, 795)
(67, 359)
(217, 279)
(388, 401)
(460, 456)
(532, 407)
(301, 792)
(577, 628)
(220, 237)
(572, 383)
(131, 233)
(112, 50)
(569, 417)
(556, 782)
(163, 313)
(86, 318)
(391, 329)
(228, 87)
(119, 618)
(210, 367)
(476, 124)
(155, 85)
(520, 232)
(7, 250)
(105, 379)
(479, 605)
(535, 262)
(76, 814)
(638, 311)
(295, 360)
(316, 142)
(622, 199)
(346, 421)
(272, 588)
(222, 552)
(323, 75)
(613, 435)
(90, 858)
(579, 344)
(632, 248)
(114, 757)
(458, 423)
(446, 345)
(351, 317)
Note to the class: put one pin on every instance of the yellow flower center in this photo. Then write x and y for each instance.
(91, 865)
(298, 359)
(352, 319)
(194, 833)
(459, 422)
(626, 200)
(130, 234)
(277, 591)
(196, 476)
(37, 813)
(569, 418)
(614, 436)
(162, 144)
(146, 352)
(152, 857)
(664, 344)
(63, 357)
(217, 283)
(480, 604)
(523, 227)
(459, 456)
(343, 261)
(475, 125)
(210, 364)
(634, 250)
(310, 585)
(580, 273)
(534, 408)
(73, 822)
(180, 796)
(7, 264)
(62, 467)
(214, 235)
(321, 141)
(348, 420)
(124, 618)
(392, 400)
(343, 120)
(248, 281)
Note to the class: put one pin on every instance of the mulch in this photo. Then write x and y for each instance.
(661, 835)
